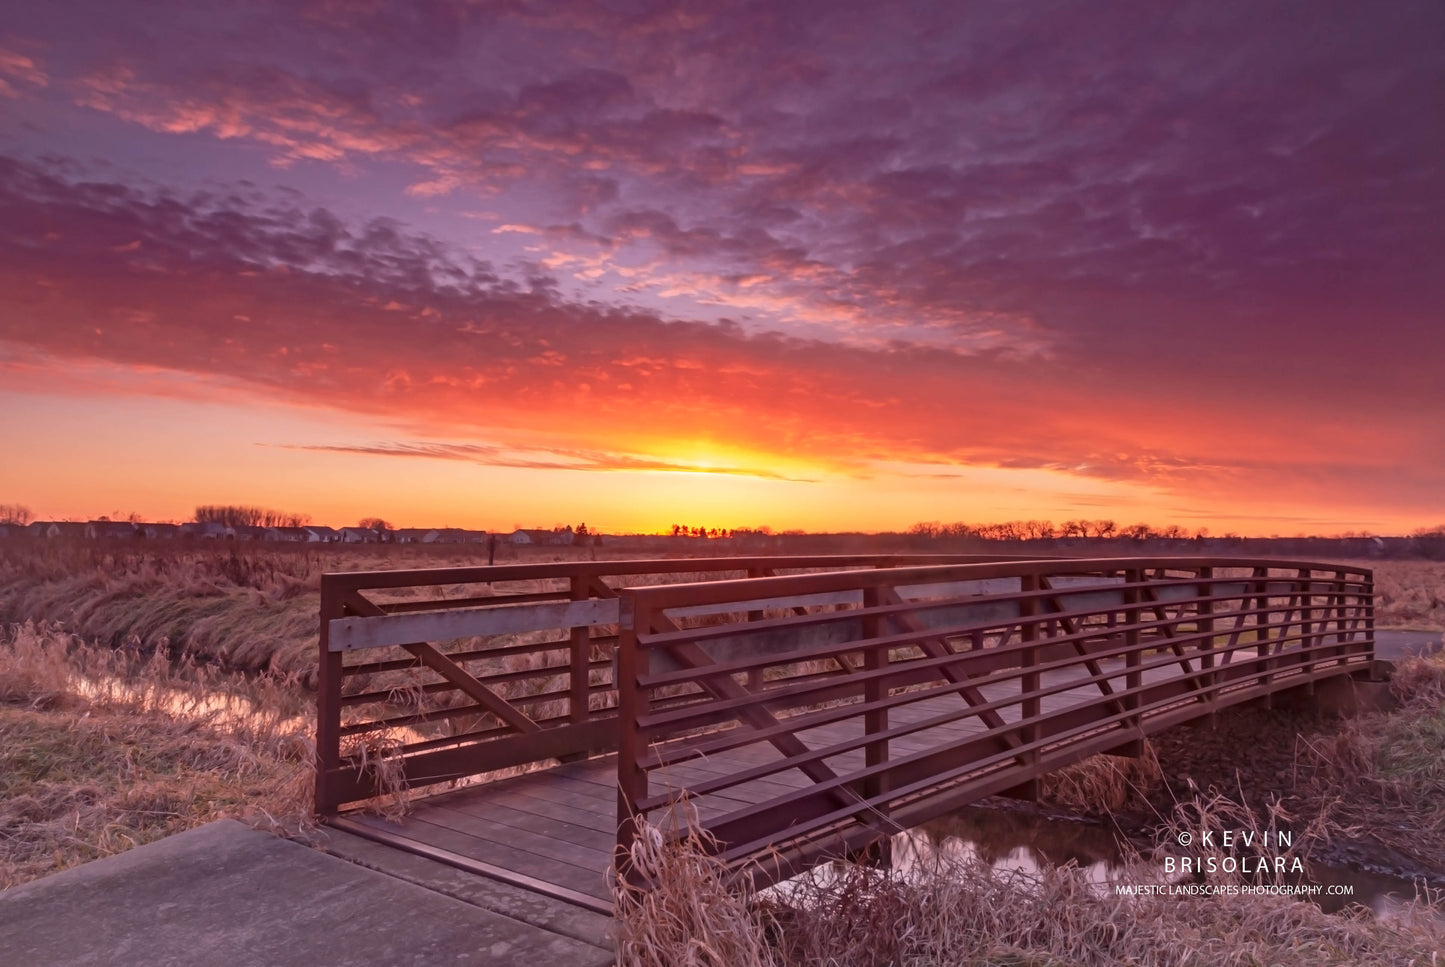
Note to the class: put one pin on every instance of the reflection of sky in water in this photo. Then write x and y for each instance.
(1013, 842)
(1028, 845)
(186, 704)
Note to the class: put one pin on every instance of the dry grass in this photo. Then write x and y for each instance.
(1409, 594)
(956, 910)
(1105, 782)
(100, 751)
(1383, 773)
(689, 913)
(245, 606)
(254, 611)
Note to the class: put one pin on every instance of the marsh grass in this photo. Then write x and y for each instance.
(682, 909)
(1105, 782)
(1383, 773)
(954, 909)
(1409, 594)
(101, 751)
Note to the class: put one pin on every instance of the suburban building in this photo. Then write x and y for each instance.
(110, 530)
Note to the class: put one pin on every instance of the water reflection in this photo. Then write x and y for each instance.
(1029, 843)
(189, 704)
(1012, 841)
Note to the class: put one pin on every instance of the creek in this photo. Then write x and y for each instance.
(1027, 841)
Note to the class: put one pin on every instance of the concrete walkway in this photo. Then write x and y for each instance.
(229, 896)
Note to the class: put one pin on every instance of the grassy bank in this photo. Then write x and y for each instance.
(253, 607)
(963, 912)
(1382, 774)
(100, 751)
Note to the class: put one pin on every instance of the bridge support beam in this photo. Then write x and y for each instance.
(1031, 791)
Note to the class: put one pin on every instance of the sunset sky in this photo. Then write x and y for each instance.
(823, 265)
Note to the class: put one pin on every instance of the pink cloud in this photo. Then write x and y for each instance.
(374, 319)
(19, 71)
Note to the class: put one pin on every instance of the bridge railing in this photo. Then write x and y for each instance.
(797, 717)
(432, 676)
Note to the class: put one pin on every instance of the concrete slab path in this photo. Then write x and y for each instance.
(230, 896)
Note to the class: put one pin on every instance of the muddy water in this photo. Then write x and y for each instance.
(1014, 840)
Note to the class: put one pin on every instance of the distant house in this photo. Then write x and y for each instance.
(248, 532)
(159, 532)
(15, 530)
(53, 529)
(321, 535)
(292, 535)
(211, 530)
(110, 530)
(416, 535)
(359, 535)
(541, 538)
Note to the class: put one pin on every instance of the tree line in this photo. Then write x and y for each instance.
(235, 515)
(1043, 530)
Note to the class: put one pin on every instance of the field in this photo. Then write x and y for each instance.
(101, 750)
(253, 607)
(148, 689)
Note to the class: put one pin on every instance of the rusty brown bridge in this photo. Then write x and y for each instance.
(803, 707)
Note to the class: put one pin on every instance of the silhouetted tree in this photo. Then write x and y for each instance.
(233, 515)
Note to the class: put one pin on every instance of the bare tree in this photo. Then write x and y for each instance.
(235, 515)
(15, 514)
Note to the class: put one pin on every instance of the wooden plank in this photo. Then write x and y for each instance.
(538, 803)
(590, 881)
(558, 841)
(352, 634)
(399, 840)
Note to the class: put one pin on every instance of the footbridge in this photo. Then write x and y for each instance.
(795, 708)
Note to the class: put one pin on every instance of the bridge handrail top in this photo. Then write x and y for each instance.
(744, 589)
(464, 574)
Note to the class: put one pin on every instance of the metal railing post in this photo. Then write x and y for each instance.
(875, 721)
(1205, 618)
(1133, 678)
(580, 677)
(1030, 681)
(328, 703)
(632, 783)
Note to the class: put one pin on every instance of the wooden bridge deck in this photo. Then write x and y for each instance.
(555, 829)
